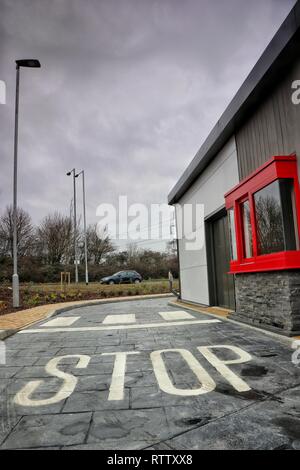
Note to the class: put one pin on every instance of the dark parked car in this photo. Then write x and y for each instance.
(122, 277)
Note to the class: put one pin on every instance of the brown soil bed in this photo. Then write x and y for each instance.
(43, 294)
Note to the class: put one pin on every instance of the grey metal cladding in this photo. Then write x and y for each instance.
(273, 128)
(278, 55)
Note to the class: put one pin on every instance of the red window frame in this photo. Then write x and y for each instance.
(278, 167)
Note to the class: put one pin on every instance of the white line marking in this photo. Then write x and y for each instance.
(207, 384)
(23, 397)
(61, 321)
(177, 315)
(221, 367)
(116, 389)
(120, 327)
(113, 319)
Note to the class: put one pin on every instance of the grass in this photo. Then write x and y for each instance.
(91, 287)
(33, 295)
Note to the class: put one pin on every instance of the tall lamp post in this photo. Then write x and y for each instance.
(75, 224)
(31, 63)
(84, 224)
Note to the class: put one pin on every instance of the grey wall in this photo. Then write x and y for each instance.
(209, 189)
(270, 299)
(273, 128)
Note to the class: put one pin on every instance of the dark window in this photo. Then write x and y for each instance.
(274, 209)
(247, 230)
(233, 251)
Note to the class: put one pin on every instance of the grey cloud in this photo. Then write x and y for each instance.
(128, 89)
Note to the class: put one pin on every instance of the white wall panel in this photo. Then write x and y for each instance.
(209, 189)
(194, 284)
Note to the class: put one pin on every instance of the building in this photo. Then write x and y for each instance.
(246, 175)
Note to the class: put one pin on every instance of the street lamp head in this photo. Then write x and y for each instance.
(33, 63)
(69, 173)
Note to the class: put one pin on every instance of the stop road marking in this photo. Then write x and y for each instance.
(116, 390)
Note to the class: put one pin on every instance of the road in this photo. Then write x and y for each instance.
(145, 375)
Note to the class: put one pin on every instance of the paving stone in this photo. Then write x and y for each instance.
(93, 382)
(38, 351)
(140, 379)
(160, 446)
(92, 369)
(138, 363)
(72, 361)
(94, 400)
(21, 361)
(66, 351)
(32, 372)
(43, 448)
(38, 410)
(267, 425)
(176, 419)
(111, 444)
(8, 371)
(48, 385)
(52, 384)
(8, 415)
(126, 426)
(78, 344)
(4, 384)
(146, 397)
(19, 342)
(49, 430)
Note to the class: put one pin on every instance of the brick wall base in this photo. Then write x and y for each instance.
(270, 300)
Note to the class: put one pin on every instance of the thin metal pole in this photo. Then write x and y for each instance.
(75, 228)
(15, 277)
(85, 238)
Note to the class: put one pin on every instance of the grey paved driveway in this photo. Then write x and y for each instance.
(218, 385)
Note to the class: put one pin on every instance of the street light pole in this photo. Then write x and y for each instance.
(84, 224)
(75, 224)
(32, 63)
(15, 277)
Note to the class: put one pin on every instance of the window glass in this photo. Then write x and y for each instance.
(291, 238)
(247, 232)
(275, 217)
(233, 252)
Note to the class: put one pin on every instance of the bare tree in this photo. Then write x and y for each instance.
(133, 253)
(98, 244)
(25, 233)
(54, 239)
(269, 225)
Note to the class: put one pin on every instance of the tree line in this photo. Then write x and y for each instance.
(47, 249)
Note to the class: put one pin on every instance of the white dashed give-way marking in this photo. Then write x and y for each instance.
(177, 315)
(114, 319)
(61, 321)
(117, 327)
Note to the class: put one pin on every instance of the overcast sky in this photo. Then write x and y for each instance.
(128, 90)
